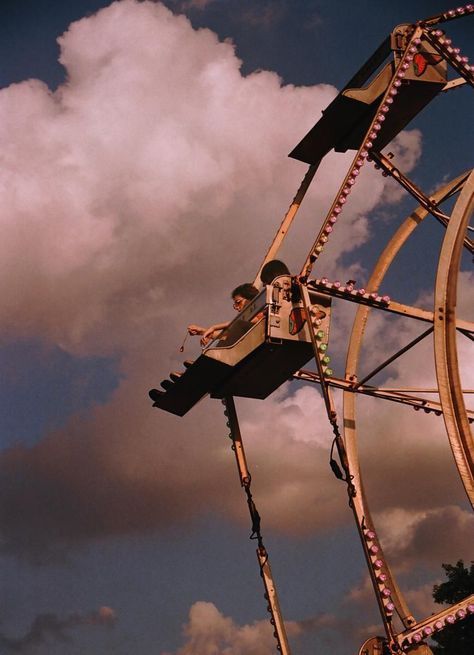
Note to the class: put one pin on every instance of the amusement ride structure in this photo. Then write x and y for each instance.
(287, 324)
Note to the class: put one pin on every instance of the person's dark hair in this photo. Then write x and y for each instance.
(246, 290)
(273, 269)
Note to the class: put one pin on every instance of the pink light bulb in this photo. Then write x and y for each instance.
(427, 631)
(389, 607)
(461, 614)
(382, 577)
(417, 638)
(386, 592)
(397, 83)
(328, 229)
(450, 619)
(393, 91)
(378, 564)
(438, 625)
(370, 534)
(368, 144)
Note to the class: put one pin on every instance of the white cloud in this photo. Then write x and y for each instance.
(134, 198)
(209, 632)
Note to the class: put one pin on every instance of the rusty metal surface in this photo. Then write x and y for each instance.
(446, 360)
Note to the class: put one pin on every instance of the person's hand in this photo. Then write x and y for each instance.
(209, 334)
(195, 329)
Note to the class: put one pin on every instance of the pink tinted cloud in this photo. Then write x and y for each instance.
(134, 198)
(208, 631)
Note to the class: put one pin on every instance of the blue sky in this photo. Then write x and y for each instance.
(130, 207)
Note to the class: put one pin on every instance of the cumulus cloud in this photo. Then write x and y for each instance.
(50, 626)
(113, 185)
(137, 194)
(208, 631)
(443, 534)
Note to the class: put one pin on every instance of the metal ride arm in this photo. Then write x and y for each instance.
(447, 372)
(287, 221)
(426, 202)
(404, 396)
(331, 412)
(271, 596)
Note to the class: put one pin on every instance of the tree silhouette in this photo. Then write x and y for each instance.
(457, 639)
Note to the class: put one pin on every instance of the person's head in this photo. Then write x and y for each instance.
(242, 294)
(273, 269)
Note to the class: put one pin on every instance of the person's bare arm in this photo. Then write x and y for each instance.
(213, 332)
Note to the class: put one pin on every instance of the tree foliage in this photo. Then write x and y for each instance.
(457, 639)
